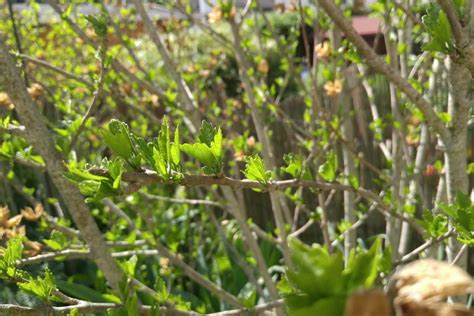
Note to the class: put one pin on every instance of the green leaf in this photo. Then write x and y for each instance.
(9, 257)
(248, 298)
(99, 23)
(204, 155)
(216, 145)
(354, 181)
(57, 241)
(132, 305)
(41, 287)
(160, 163)
(129, 266)
(75, 174)
(462, 215)
(255, 170)
(333, 306)
(328, 170)
(207, 133)
(363, 267)
(119, 139)
(82, 292)
(460, 6)
(294, 165)
(437, 25)
(316, 272)
(89, 187)
(434, 225)
(175, 149)
(162, 294)
(145, 150)
(115, 171)
(164, 142)
(470, 168)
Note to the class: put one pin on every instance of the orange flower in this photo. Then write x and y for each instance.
(333, 88)
(204, 73)
(155, 99)
(430, 170)
(35, 91)
(251, 141)
(237, 104)
(412, 140)
(6, 102)
(263, 67)
(414, 120)
(232, 12)
(215, 15)
(323, 50)
(164, 263)
(239, 155)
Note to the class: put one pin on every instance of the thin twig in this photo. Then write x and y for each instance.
(459, 254)
(16, 35)
(412, 255)
(98, 94)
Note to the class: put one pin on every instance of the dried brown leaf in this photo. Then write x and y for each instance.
(32, 215)
(33, 248)
(432, 280)
(14, 221)
(4, 215)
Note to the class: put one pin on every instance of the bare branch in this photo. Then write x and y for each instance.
(136, 180)
(412, 255)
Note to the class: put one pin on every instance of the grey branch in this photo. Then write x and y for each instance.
(38, 135)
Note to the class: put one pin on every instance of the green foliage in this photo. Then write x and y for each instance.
(329, 168)
(83, 292)
(119, 139)
(166, 155)
(93, 186)
(295, 167)
(9, 257)
(42, 287)
(129, 266)
(99, 23)
(209, 149)
(57, 241)
(319, 284)
(255, 170)
(437, 25)
(460, 6)
(435, 225)
(462, 215)
(103, 153)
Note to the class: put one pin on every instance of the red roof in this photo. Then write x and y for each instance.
(365, 25)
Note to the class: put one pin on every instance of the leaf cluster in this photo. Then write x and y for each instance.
(319, 284)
